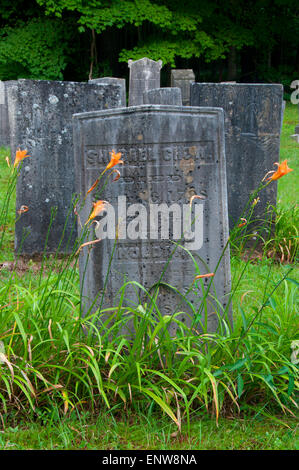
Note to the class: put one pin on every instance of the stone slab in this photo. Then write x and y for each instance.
(282, 114)
(170, 153)
(182, 78)
(4, 125)
(113, 81)
(253, 114)
(144, 75)
(40, 116)
(169, 96)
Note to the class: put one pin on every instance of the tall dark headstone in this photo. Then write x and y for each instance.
(183, 78)
(40, 116)
(171, 96)
(170, 153)
(253, 114)
(144, 75)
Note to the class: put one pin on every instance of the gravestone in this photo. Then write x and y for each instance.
(4, 126)
(282, 113)
(253, 114)
(40, 116)
(170, 153)
(182, 78)
(170, 96)
(144, 75)
(295, 136)
(112, 81)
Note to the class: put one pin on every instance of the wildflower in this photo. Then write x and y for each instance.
(115, 160)
(117, 175)
(7, 161)
(195, 196)
(98, 207)
(20, 155)
(93, 186)
(200, 276)
(87, 244)
(282, 170)
(255, 201)
(243, 223)
(23, 209)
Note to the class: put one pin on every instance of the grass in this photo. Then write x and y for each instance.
(62, 389)
(138, 431)
(7, 253)
(289, 149)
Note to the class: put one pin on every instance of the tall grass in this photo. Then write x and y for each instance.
(47, 360)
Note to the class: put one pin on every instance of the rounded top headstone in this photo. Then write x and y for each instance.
(145, 61)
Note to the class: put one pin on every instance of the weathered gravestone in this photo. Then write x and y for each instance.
(4, 126)
(40, 115)
(170, 96)
(253, 114)
(183, 78)
(170, 153)
(112, 81)
(295, 136)
(144, 75)
(282, 114)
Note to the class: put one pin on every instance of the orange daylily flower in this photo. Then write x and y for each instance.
(195, 196)
(200, 276)
(93, 186)
(98, 207)
(87, 244)
(115, 160)
(282, 170)
(23, 209)
(117, 175)
(20, 155)
(242, 223)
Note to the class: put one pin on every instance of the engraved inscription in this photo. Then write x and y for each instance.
(159, 251)
(98, 156)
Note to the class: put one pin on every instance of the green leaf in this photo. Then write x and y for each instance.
(161, 403)
(292, 280)
(238, 364)
(240, 383)
(291, 385)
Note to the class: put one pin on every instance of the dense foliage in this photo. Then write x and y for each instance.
(74, 39)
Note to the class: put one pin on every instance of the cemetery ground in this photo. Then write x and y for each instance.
(62, 389)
